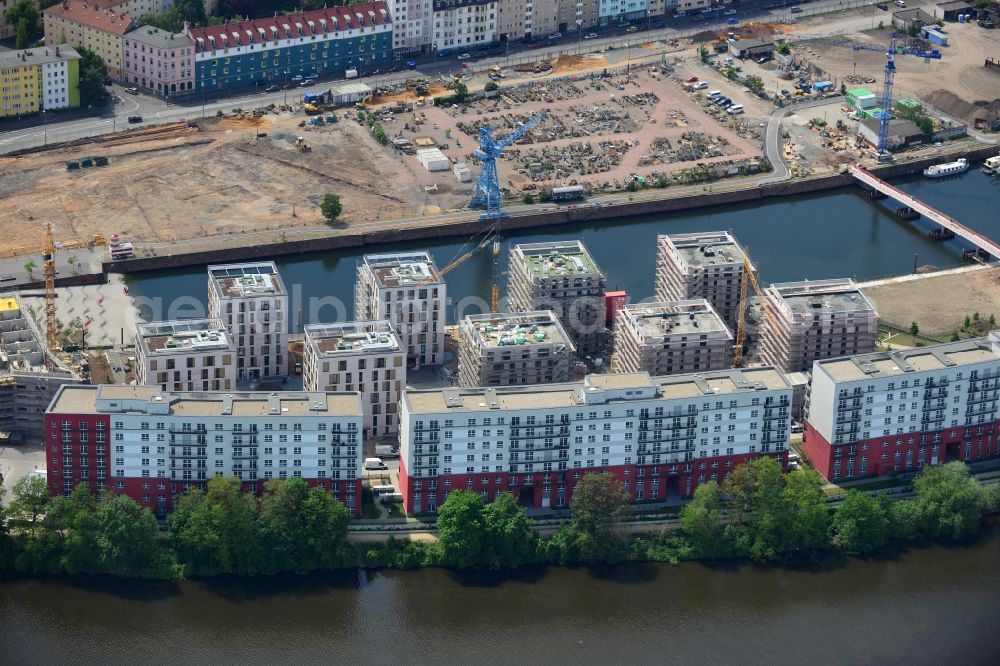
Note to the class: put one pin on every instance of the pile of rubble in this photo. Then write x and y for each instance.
(691, 146)
(575, 159)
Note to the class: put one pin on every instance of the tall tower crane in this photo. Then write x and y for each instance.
(748, 279)
(49, 268)
(487, 194)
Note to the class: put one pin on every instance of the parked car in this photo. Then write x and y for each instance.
(411, 64)
(730, 12)
(883, 6)
(701, 85)
(298, 77)
(132, 91)
(134, 119)
(274, 88)
(555, 35)
(632, 28)
(707, 10)
(592, 35)
(308, 82)
(900, 3)
(796, 10)
(464, 56)
(691, 79)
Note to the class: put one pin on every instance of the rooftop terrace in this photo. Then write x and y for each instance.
(183, 337)
(659, 321)
(246, 280)
(359, 337)
(403, 269)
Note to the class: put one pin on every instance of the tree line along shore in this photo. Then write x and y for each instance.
(756, 513)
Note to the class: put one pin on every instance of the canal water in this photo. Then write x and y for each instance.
(931, 605)
(828, 235)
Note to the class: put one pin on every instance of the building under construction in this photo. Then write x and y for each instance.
(513, 349)
(671, 338)
(560, 276)
(406, 289)
(809, 321)
(701, 265)
(29, 375)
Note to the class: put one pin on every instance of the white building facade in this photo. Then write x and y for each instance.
(661, 436)
(461, 24)
(252, 302)
(189, 355)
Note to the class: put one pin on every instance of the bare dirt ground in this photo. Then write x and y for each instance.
(938, 304)
(184, 182)
(957, 84)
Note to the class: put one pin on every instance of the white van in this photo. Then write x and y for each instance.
(713, 95)
(900, 3)
(386, 451)
(375, 463)
(701, 85)
(384, 489)
(735, 109)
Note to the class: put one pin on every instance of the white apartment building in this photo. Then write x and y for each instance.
(189, 355)
(661, 436)
(252, 302)
(363, 356)
(407, 290)
(886, 412)
(154, 445)
(412, 24)
(460, 24)
(705, 265)
(672, 338)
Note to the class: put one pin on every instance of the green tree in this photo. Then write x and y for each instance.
(755, 83)
(30, 267)
(127, 541)
(701, 519)
(992, 321)
(753, 501)
(731, 72)
(599, 504)
(461, 530)
(951, 503)
(301, 530)
(331, 207)
(807, 519)
(73, 522)
(975, 316)
(6, 546)
(861, 523)
(955, 337)
(461, 91)
(528, 198)
(29, 499)
(904, 518)
(171, 20)
(27, 12)
(491, 86)
(93, 78)
(914, 329)
(22, 38)
(925, 124)
(509, 541)
(544, 195)
(785, 49)
(968, 321)
(216, 532)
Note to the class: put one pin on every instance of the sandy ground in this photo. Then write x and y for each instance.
(938, 304)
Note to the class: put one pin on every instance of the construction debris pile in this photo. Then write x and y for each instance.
(570, 161)
(548, 91)
(691, 146)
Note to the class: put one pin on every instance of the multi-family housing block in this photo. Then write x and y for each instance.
(560, 276)
(187, 355)
(37, 79)
(160, 61)
(671, 338)
(363, 356)
(252, 302)
(513, 348)
(99, 26)
(661, 436)
(888, 412)
(461, 24)
(407, 290)
(153, 445)
(812, 320)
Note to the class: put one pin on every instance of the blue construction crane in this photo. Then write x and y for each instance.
(890, 73)
(487, 193)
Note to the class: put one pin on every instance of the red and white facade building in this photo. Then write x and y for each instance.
(661, 436)
(885, 412)
(153, 445)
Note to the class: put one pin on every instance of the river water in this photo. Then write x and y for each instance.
(931, 605)
(828, 235)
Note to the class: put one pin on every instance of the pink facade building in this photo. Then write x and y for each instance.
(159, 61)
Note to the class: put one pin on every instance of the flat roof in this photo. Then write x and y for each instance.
(811, 297)
(403, 269)
(246, 280)
(164, 39)
(355, 337)
(37, 56)
(572, 394)
(517, 329)
(558, 259)
(903, 362)
(75, 399)
(183, 336)
(660, 321)
(8, 304)
(716, 248)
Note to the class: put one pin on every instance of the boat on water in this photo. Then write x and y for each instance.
(991, 166)
(948, 169)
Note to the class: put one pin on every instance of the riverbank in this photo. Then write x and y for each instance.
(266, 245)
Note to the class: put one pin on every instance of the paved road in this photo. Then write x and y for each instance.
(772, 141)
(156, 110)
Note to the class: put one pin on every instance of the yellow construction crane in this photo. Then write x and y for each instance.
(49, 267)
(492, 237)
(741, 334)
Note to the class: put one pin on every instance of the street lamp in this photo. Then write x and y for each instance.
(45, 129)
(202, 99)
(285, 87)
(628, 57)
